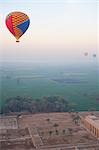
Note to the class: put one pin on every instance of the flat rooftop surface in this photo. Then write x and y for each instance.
(94, 120)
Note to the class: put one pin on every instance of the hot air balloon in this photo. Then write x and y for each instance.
(94, 55)
(86, 53)
(17, 23)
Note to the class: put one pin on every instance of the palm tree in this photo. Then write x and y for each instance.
(50, 133)
(70, 132)
(56, 125)
(64, 131)
(57, 132)
(76, 118)
(48, 120)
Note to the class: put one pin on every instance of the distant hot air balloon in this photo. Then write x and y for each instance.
(86, 53)
(94, 55)
(17, 23)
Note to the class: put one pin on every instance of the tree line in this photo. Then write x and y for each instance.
(28, 104)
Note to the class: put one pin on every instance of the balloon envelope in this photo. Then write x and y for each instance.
(86, 53)
(17, 23)
(94, 55)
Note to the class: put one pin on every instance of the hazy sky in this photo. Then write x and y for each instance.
(59, 30)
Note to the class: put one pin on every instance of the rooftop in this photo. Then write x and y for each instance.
(93, 120)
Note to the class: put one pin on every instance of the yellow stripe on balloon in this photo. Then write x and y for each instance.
(18, 19)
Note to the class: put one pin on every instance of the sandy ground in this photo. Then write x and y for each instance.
(49, 131)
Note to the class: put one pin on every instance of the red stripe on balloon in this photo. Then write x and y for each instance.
(10, 25)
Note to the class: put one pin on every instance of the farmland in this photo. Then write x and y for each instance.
(79, 84)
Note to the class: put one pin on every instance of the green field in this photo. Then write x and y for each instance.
(79, 84)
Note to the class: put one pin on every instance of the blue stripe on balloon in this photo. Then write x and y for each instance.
(24, 26)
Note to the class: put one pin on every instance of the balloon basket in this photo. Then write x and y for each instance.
(17, 41)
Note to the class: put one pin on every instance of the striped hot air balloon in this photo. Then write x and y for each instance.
(17, 23)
